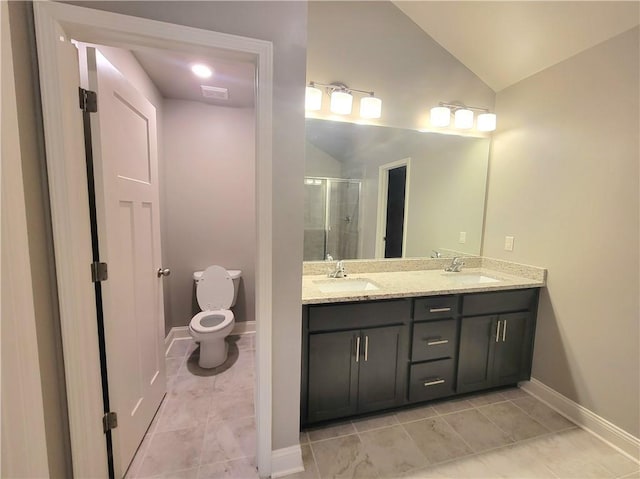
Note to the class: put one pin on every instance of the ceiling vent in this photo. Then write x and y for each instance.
(214, 92)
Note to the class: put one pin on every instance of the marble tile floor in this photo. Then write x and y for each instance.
(504, 434)
(205, 427)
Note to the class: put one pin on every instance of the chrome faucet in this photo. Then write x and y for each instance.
(455, 266)
(339, 272)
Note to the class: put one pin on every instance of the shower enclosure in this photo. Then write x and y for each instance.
(331, 218)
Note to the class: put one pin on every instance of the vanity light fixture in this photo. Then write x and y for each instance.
(341, 99)
(440, 116)
(463, 117)
(341, 102)
(312, 98)
(486, 122)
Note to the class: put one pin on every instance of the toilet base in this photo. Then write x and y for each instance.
(213, 352)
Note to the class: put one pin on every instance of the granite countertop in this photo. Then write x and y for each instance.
(430, 282)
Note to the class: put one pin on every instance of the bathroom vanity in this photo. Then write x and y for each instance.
(412, 336)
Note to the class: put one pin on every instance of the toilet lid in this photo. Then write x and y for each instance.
(215, 290)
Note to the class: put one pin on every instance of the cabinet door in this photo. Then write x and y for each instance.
(511, 349)
(382, 369)
(333, 375)
(475, 360)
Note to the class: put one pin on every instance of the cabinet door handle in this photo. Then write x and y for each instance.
(498, 332)
(434, 382)
(358, 349)
(504, 331)
(439, 310)
(437, 342)
(366, 348)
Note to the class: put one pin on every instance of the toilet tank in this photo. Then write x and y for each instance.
(235, 274)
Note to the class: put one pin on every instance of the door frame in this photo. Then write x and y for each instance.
(70, 218)
(383, 187)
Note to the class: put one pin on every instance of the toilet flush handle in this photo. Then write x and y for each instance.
(163, 272)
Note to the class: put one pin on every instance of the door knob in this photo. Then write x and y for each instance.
(163, 272)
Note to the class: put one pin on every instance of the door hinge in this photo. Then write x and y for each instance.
(109, 421)
(88, 100)
(99, 272)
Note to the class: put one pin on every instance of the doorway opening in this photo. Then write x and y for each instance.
(393, 209)
(55, 25)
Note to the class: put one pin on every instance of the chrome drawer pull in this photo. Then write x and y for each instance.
(358, 349)
(439, 310)
(504, 331)
(437, 342)
(498, 332)
(434, 382)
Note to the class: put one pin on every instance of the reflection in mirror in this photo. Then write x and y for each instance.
(381, 192)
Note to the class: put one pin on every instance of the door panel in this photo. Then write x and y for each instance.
(477, 342)
(511, 349)
(333, 375)
(379, 363)
(126, 176)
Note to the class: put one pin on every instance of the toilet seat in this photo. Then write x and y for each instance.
(215, 289)
(220, 319)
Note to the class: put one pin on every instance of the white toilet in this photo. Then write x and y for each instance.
(216, 291)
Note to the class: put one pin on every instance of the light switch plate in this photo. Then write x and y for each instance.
(508, 243)
(463, 237)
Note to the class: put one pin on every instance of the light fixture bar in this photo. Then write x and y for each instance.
(463, 116)
(342, 99)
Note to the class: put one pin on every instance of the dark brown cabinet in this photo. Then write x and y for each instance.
(354, 371)
(496, 349)
(373, 355)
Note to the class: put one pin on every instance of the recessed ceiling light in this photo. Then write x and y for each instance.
(200, 70)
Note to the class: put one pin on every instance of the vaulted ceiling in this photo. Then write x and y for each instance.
(505, 42)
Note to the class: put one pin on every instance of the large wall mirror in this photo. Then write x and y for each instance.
(381, 192)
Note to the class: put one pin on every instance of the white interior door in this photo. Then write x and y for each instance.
(125, 159)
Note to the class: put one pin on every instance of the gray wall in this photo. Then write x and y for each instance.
(208, 213)
(563, 179)
(284, 24)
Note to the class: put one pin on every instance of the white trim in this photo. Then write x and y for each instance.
(616, 437)
(383, 186)
(285, 461)
(182, 332)
(23, 438)
(69, 211)
(244, 327)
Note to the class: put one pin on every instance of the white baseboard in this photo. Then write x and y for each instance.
(586, 419)
(182, 332)
(286, 461)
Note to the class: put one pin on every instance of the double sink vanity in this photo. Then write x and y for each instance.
(399, 332)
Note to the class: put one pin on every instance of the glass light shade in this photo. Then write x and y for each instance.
(312, 98)
(370, 107)
(486, 122)
(463, 119)
(440, 116)
(341, 102)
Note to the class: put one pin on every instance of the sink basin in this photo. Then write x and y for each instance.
(471, 278)
(340, 285)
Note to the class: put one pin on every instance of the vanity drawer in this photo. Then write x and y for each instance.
(431, 380)
(498, 302)
(434, 340)
(435, 307)
(332, 317)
